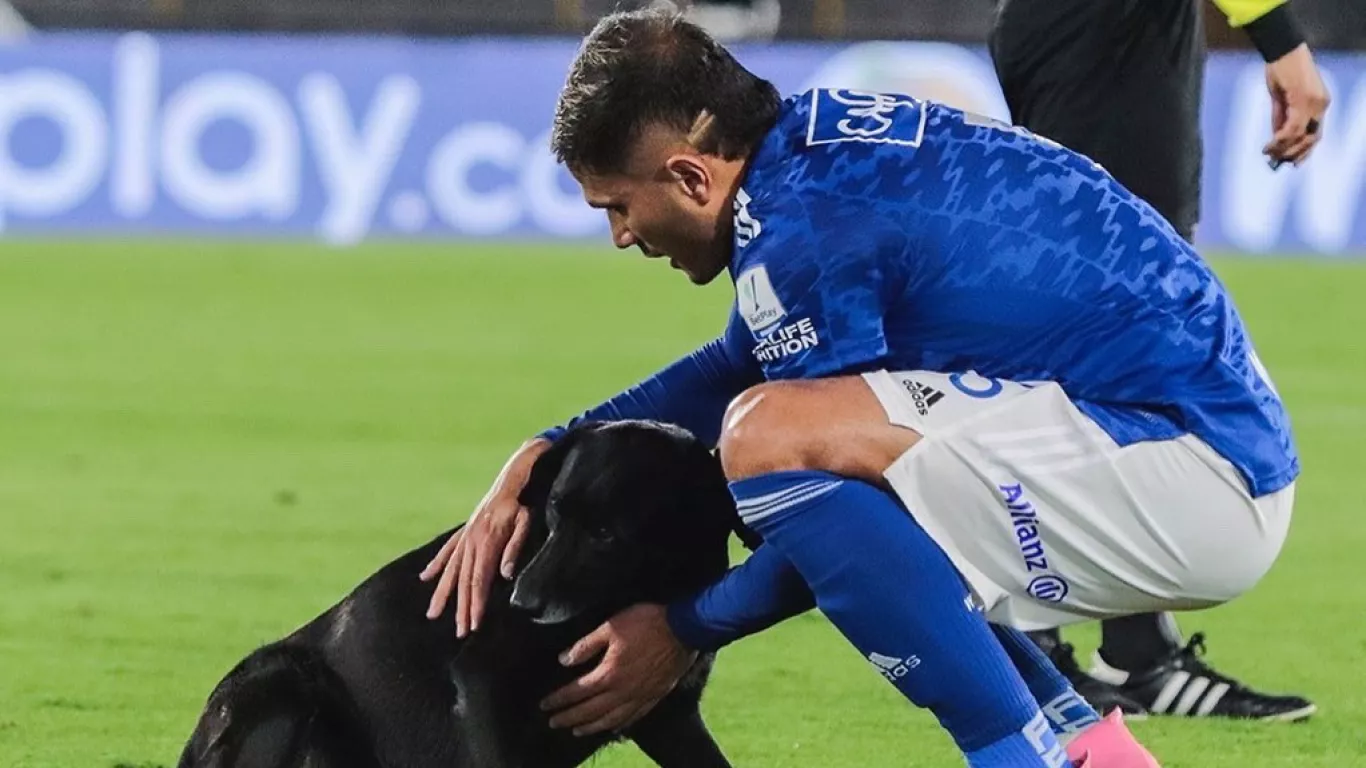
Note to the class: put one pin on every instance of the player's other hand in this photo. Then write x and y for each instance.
(489, 542)
(1298, 103)
(639, 661)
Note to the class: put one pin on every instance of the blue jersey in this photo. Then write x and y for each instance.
(876, 231)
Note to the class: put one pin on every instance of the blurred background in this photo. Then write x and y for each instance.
(283, 282)
(428, 118)
(1330, 23)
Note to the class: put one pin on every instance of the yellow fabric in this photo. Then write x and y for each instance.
(1240, 12)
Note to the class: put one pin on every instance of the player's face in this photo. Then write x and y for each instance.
(668, 203)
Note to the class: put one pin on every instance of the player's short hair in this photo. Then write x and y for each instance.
(649, 67)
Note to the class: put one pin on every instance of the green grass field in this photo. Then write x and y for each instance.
(202, 446)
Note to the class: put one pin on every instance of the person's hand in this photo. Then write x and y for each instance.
(1299, 100)
(641, 663)
(491, 539)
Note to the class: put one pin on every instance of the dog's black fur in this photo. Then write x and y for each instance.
(621, 513)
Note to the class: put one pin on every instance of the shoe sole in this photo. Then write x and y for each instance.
(1293, 716)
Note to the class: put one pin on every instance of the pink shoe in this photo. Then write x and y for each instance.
(1108, 744)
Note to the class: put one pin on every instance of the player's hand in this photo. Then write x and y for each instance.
(491, 539)
(1299, 100)
(641, 662)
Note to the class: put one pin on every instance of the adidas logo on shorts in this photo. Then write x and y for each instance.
(893, 668)
(924, 396)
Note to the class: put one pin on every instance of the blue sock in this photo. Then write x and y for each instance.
(885, 584)
(1067, 712)
(1033, 745)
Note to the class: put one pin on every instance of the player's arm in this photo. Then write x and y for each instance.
(692, 392)
(1299, 98)
(812, 313)
(830, 304)
(753, 596)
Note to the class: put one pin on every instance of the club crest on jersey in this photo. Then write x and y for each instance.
(878, 118)
(759, 304)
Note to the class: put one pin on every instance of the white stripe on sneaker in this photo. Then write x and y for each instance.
(1211, 699)
(1191, 695)
(1169, 692)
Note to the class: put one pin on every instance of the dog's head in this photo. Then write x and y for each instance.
(622, 512)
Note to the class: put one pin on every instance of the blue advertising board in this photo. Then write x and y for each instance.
(344, 138)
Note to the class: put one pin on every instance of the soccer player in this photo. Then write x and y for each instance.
(968, 378)
(1120, 82)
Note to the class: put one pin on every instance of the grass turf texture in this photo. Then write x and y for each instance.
(202, 446)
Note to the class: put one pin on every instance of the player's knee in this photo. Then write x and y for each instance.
(758, 434)
(831, 425)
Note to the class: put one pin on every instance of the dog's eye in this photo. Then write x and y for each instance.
(600, 532)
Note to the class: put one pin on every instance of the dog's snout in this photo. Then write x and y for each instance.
(524, 599)
(528, 590)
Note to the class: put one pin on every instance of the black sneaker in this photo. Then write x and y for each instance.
(1102, 696)
(1183, 684)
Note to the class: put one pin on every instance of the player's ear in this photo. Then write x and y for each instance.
(692, 175)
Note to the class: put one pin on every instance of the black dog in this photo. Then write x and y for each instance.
(622, 513)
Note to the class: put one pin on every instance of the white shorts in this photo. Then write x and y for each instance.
(1051, 522)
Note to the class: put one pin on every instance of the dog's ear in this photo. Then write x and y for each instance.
(547, 467)
(543, 474)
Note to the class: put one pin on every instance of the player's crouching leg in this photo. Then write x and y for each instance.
(834, 425)
(800, 456)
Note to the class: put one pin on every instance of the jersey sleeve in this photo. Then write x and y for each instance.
(814, 309)
(753, 596)
(692, 392)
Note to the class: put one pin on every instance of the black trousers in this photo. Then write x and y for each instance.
(1121, 82)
